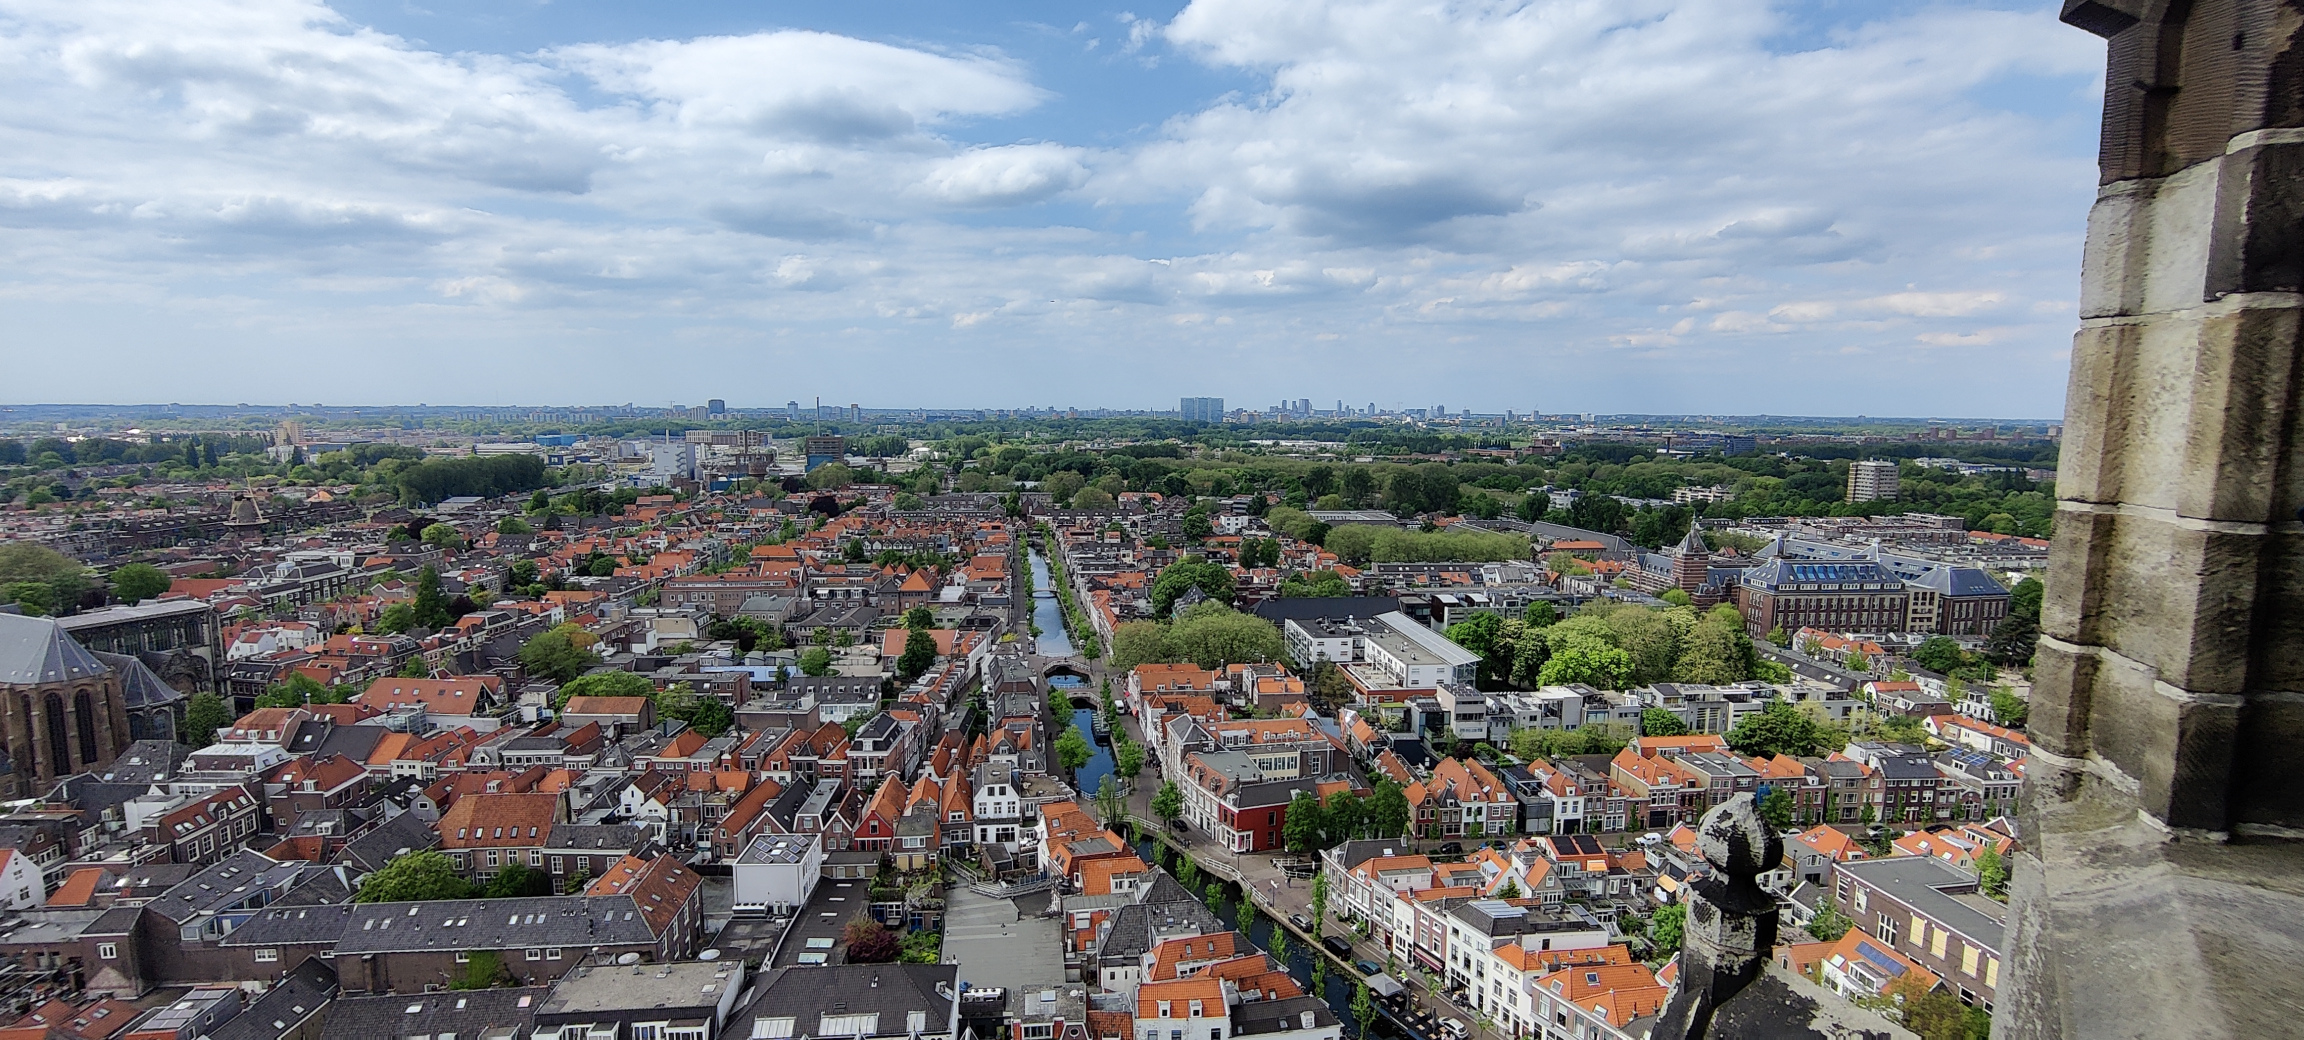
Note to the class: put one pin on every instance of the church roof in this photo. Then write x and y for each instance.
(1692, 544)
(35, 650)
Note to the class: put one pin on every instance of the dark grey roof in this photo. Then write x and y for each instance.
(601, 837)
(469, 924)
(37, 650)
(304, 992)
(243, 878)
(1920, 883)
(892, 991)
(1138, 927)
(140, 686)
(1286, 1014)
(375, 847)
(482, 1014)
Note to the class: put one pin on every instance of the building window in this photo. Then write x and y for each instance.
(265, 956)
(111, 952)
(1038, 1031)
(463, 956)
(535, 954)
(551, 953)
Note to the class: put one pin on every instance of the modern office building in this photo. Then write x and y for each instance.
(1872, 480)
(1203, 409)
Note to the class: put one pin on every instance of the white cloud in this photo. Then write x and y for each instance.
(1455, 181)
(1007, 176)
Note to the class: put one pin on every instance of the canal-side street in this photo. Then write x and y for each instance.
(1276, 897)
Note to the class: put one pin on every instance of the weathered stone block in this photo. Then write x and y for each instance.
(2069, 603)
(2112, 260)
(2177, 748)
(2268, 761)
(2061, 685)
(2279, 637)
(2096, 409)
(2244, 370)
(2178, 224)
(2257, 244)
(2179, 600)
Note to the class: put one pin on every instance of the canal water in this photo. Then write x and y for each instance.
(1047, 612)
(1090, 776)
(1342, 983)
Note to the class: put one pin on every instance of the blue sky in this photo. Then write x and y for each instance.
(1727, 206)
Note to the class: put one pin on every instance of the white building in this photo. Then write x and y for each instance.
(779, 871)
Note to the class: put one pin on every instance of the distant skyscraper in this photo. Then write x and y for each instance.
(1202, 409)
(794, 408)
(1872, 480)
(716, 406)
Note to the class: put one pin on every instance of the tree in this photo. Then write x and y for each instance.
(816, 661)
(1858, 663)
(1540, 614)
(868, 942)
(560, 654)
(137, 582)
(1192, 572)
(1072, 750)
(430, 605)
(2008, 709)
(1301, 828)
(1109, 801)
(204, 714)
(1592, 663)
(2013, 641)
(1212, 635)
(2024, 599)
(443, 536)
(1778, 729)
(1779, 637)
(63, 580)
(1992, 874)
(919, 655)
(1128, 758)
(1138, 642)
(416, 668)
(831, 476)
(1931, 1012)
(1363, 1006)
(483, 969)
(1320, 584)
(1483, 634)
(1387, 810)
(919, 618)
(1717, 651)
(1319, 901)
(517, 880)
(1676, 597)
(1092, 498)
(1656, 722)
(1168, 804)
(1939, 654)
(417, 877)
(605, 684)
(1777, 809)
(1665, 928)
(1829, 924)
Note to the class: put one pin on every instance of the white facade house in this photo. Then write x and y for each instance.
(779, 871)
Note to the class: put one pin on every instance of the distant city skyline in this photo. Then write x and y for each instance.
(1650, 205)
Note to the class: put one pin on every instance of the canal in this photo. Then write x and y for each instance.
(1047, 613)
(1339, 984)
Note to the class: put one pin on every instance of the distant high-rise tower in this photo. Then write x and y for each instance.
(716, 406)
(1872, 480)
(794, 408)
(1202, 409)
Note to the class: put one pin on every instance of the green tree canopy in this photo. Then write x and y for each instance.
(1656, 722)
(204, 714)
(1193, 572)
(919, 655)
(605, 684)
(1212, 635)
(1779, 729)
(1072, 750)
(560, 653)
(1168, 803)
(816, 661)
(414, 878)
(136, 582)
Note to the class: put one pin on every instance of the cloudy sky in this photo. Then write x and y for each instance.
(1736, 206)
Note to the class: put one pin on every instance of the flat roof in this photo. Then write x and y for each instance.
(613, 987)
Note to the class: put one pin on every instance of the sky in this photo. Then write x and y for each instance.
(1834, 207)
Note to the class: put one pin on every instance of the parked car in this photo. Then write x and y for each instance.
(1369, 968)
(1337, 945)
(1451, 848)
(1179, 826)
(1302, 923)
(1455, 1027)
